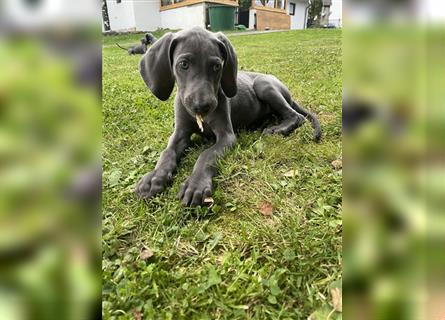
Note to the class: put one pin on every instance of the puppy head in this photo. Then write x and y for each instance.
(199, 61)
(150, 39)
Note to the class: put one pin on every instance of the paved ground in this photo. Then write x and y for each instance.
(254, 32)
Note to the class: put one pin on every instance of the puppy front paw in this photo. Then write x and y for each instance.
(151, 184)
(194, 191)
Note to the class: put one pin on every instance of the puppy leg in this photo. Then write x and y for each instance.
(156, 181)
(273, 93)
(199, 185)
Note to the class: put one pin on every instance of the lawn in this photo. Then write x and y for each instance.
(164, 261)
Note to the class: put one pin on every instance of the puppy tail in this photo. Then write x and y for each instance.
(121, 47)
(312, 118)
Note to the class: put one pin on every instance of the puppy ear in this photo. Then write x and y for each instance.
(230, 69)
(155, 67)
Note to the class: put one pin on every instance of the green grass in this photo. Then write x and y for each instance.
(130, 38)
(230, 262)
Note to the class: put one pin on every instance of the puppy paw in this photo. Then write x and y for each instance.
(151, 184)
(269, 131)
(285, 127)
(194, 191)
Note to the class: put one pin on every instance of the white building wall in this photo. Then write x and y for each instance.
(252, 13)
(184, 17)
(298, 21)
(147, 15)
(121, 15)
(336, 13)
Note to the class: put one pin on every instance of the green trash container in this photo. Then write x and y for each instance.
(222, 17)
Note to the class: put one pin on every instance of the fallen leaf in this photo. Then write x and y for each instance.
(291, 173)
(336, 299)
(145, 253)
(137, 315)
(266, 209)
(337, 164)
(219, 260)
(208, 202)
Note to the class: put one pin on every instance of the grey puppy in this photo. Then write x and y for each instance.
(150, 39)
(204, 66)
(137, 49)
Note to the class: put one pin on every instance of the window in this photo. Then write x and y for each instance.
(276, 4)
(280, 4)
(291, 9)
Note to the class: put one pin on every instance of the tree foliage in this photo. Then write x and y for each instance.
(314, 13)
(105, 18)
(245, 4)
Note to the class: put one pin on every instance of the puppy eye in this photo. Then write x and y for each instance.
(184, 65)
(217, 67)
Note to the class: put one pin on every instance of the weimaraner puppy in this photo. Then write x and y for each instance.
(141, 48)
(150, 39)
(214, 99)
(136, 49)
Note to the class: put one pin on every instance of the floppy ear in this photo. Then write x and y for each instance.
(230, 69)
(155, 68)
